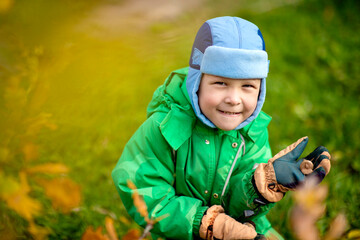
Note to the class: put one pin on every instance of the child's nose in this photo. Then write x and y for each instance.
(233, 97)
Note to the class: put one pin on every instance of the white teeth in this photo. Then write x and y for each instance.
(230, 113)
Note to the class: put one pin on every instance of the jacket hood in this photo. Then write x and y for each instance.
(229, 47)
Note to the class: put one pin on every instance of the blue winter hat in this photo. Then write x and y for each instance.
(229, 47)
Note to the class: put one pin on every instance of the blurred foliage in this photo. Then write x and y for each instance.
(313, 90)
(75, 85)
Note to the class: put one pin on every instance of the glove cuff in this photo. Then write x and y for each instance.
(207, 222)
(226, 227)
(266, 184)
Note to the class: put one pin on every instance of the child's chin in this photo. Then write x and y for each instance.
(227, 128)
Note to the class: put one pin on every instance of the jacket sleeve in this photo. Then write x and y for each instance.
(147, 162)
(240, 199)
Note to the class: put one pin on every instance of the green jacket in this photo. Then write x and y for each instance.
(181, 167)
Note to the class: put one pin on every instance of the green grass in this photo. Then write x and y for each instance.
(97, 88)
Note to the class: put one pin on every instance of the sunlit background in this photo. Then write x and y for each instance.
(76, 78)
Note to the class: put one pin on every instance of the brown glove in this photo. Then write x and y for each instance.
(285, 171)
(217, 225)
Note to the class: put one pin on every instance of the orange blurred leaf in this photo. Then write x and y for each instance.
(311, 196)
(20, 201)
(52, 168)
(37, 123)
(38, 232)
(63, 193)
(309, 207)
(139, 202)
(337, 227)
(109, 224)
(30, 151)
(131, 235)
(5, 5)
(124, 220)
(90, 234)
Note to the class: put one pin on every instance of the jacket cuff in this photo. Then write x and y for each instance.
(256, 205)
(197, 221)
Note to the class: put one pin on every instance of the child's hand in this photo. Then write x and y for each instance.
(217, 225)
(285, 172)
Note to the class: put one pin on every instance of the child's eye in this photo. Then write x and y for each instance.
(248, 86)
(220, 83)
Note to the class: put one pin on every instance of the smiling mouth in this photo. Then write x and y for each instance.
(229, 113)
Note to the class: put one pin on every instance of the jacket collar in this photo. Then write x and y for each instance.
(179, 122)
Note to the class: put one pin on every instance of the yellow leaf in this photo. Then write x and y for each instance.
(63, 193)
(8, 185)
(90, 234)
(354, 234)
(124, 220)
(51, 168)
(20, 202)
(37, 123)
(38, 232)
(31, 151)
(5, 5)
(109, 224)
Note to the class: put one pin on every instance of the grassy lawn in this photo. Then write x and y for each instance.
(73, 91)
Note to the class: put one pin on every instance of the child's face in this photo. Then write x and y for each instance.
(228, 102)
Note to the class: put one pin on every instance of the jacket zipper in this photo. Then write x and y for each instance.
(242, 145)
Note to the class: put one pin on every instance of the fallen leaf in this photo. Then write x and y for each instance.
(124, 220)
(30, 151)
(37, 123)
(309, 207)
(5, 5)
(38, 232)
(90, 234)
(109, 224)
(21, 202)
(51, 168)
(131, 235)
(63, 193)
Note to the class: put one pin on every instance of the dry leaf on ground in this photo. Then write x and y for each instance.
(131, 235)
(90, 234)
(21, 202)
(49, 168)
(63, 193)
(109, 224)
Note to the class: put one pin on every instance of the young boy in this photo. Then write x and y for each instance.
(202, 157)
